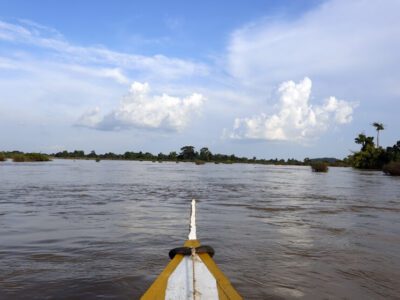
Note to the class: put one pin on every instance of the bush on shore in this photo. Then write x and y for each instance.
(19, 158)
(2, 157)
(319, 167)
(37, 157)
(392, 168)
(30, 157)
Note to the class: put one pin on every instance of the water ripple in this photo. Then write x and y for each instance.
(73, 230)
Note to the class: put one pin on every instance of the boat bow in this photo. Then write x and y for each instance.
(192, 273)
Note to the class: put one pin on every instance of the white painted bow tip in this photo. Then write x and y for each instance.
(192, 232)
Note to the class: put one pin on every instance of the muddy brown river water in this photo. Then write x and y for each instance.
(86, 230)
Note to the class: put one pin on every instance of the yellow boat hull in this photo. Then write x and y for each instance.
(191, 277)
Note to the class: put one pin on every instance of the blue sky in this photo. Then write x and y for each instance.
(266, 78)
(188, 29)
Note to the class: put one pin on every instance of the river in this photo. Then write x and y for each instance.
(86, 230)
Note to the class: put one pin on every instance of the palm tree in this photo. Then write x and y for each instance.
(364, 141)
(187, 152)
(361, 139)
(378, 127)
(205, 154)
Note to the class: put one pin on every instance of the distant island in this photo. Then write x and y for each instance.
(186, 154)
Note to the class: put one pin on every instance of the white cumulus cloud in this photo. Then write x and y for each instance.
(91, 118)
(296, 119)
(142, 109)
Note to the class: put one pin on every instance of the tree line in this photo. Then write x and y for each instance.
(187, 154)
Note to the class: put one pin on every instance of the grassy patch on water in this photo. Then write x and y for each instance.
(319, 167)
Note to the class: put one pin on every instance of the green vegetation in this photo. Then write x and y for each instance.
(18, 156)
(319, 166)
(372, 157)
(392, 168)
(369, 157)
(189, 154)
(205, 154)
(375, 157)
(30, 157)
(37, 157)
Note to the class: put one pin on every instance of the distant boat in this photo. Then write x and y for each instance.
(191, 273)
